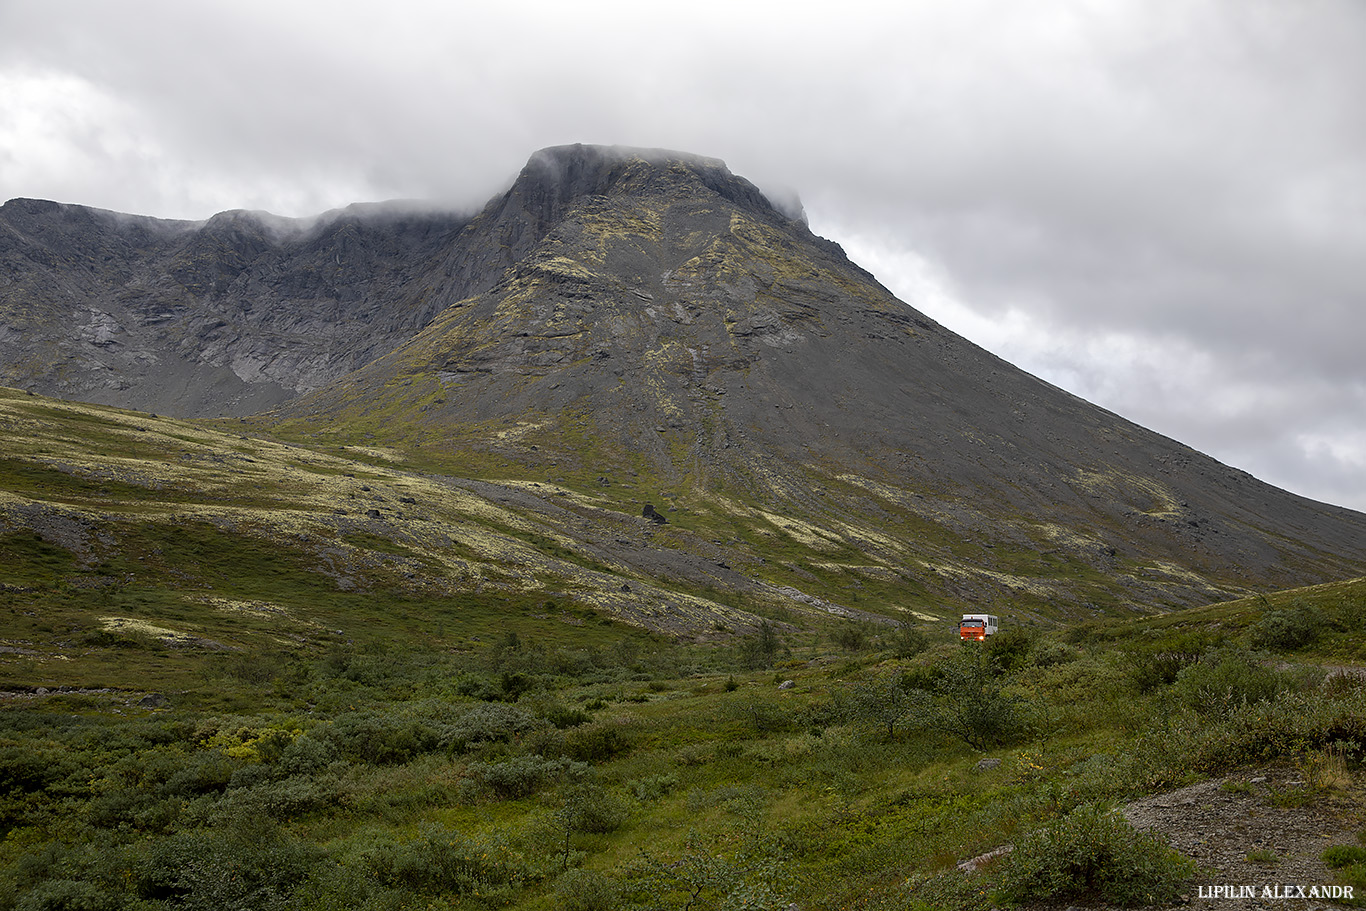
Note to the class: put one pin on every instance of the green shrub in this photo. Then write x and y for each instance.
(280, 800)
(1225, 679)
(589, 807)
(443, 861)
(512, 684)
(852, 637)
(761, 716)
(1344, 855)
(1011, 648)
(486, 723)
(478, 686)
(969, 701)
(925, 677)
(520, 776)
(1287, 630)
(381, 738)
(1093, 854)
(586, 890)
(653, 787)
(907, 640)
(1051, 653)
(563, 716)
(881, 703)
(242, 870)
(1285, 727)
(1156, 664)
(28, 769)
(307, 755)
(759, 649)
(206, 772)
(1348, 862)
(67, 895)
(597, 742)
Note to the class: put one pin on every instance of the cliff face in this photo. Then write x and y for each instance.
(246, 310)
(636, 312)
(227, 316)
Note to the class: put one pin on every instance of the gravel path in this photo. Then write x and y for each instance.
(1257, 829)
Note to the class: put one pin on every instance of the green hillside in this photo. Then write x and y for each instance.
(224, 684)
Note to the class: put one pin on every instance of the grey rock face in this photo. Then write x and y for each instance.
(227, 316)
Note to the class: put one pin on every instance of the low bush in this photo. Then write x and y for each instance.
(1154, 664)
(206, 772)
(597, 742)
(380, 738)
(1051, 653)
(1094, 854)
(67, 895)
(653, 787)
(1287, 629)
(589, 807)
(852, 637)
(969, 702)
(441, 861)
(1227, 678)
(881, 703)
(485, 723)
(242, 870)
(1339, 856)
(1348, 863)
(520, 776)
(307, 755)
(761, 647)
(1011, 648)
(565, 717)
(907, 640)
(586, 890)
(281, 800)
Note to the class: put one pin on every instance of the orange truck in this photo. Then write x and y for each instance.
(976, 627)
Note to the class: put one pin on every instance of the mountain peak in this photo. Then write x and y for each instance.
(555, 177)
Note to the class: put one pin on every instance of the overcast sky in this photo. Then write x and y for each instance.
(1159, 205)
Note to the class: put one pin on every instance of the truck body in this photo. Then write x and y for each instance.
(976, 627)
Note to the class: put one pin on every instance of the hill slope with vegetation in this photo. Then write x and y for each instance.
(625, 579)
(294, 756)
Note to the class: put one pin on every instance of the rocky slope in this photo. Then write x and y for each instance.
(226, 316)
(664, 318)
(647, 326)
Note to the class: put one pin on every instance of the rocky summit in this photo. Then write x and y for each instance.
(628, 341)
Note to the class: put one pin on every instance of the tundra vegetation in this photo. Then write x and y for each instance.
(223, 685)
(620, 770)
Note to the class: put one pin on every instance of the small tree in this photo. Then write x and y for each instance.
(969, 701)
(759, 649)
(882, 703)
(908, 640)
(588, 807)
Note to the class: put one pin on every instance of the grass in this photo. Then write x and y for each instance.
(439, 710)
(351, 761)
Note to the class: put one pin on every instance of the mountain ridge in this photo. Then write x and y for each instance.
(648, 326)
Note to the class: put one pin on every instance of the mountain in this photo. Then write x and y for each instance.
(672, 380)
(225, 316)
